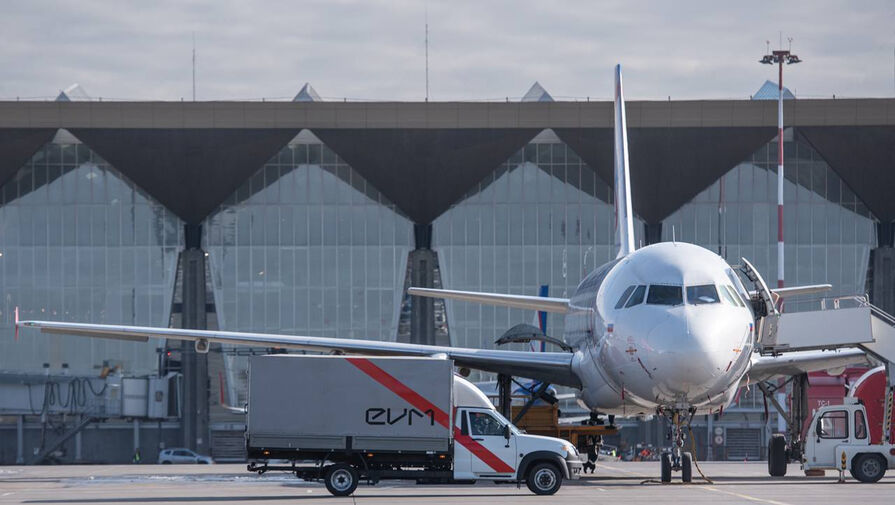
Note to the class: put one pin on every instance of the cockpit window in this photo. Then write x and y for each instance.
(624, 297)
(726, 297)
(664, 295)
(637, 297)
(733, 294)
(700, 295)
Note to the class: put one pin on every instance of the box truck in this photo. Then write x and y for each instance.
(344, 419)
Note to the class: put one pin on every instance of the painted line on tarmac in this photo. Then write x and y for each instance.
(743, 496)
(612, 468)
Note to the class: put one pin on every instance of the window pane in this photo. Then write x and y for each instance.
(834, 425)
(624, 297)
(637, 297)
(700, 295)
(665, 295)
(860, 425)
(483, 424)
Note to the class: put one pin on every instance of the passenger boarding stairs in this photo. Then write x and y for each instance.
(845, 322)
(841, 322)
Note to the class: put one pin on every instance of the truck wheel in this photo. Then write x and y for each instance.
(341, 479)
(666, 467)
(544, 479)
(777, 456)
(868, 468)
(686, 467)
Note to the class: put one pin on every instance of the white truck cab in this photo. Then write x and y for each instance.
(488, 446)
(838, 438)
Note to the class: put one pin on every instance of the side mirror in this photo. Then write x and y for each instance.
(506, 432)
(818, 429)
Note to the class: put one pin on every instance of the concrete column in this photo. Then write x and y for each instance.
(136, 424)
(881, 271)
(423, 264)
(78, 443)
(20, 440)
(195, 365)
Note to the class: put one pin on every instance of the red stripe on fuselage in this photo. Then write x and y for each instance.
(441, 417)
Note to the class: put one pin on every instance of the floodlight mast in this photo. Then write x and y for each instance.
(780, 57)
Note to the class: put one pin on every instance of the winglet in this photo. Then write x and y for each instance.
(624, 217)
(17, 323)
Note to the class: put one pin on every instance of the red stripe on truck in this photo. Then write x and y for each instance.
(441, 417)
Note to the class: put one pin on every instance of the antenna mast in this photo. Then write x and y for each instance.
(194, 66)
(427, 51)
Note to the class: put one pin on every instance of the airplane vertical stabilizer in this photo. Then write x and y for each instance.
(624, 216)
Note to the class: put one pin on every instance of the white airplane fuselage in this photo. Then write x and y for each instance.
(660, 347)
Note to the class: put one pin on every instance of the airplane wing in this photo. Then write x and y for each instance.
(557, 305)
(798, 362)
(552, 367)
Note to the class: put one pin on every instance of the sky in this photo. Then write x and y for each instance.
(478, 50)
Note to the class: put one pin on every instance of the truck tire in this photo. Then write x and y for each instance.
(544, 479)
(868, 467)
(666, 467)
(686, 467)
(340, 479)
(777, 456)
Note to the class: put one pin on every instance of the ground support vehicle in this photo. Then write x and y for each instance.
(838, 438)
(544, 420)
(344, 419)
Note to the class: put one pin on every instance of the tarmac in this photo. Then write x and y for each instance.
(613, 482)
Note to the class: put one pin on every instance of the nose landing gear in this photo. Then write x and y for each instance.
(675, 459)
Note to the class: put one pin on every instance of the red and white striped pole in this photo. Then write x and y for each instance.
(780, 178)
(780, 57)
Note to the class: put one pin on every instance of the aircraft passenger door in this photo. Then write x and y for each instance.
(766, 313)
(830, 430)
(492, 453)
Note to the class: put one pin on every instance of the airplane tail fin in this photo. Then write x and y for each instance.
(624, 217)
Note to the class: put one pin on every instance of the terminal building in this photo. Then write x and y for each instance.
(313, 218)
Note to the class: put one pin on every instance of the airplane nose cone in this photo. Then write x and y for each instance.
(695, 358)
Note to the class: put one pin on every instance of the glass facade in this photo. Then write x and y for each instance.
(80, 242)
(307, 247)
(541, 218)
(828, 231)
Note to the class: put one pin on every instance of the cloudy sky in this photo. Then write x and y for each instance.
(479, 49)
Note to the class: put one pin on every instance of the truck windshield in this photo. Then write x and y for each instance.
(505, 422)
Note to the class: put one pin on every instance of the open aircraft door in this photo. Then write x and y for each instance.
(767, 317)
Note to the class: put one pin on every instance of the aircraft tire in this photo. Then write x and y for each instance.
(686, 467)
(666, 467)
(777, 456)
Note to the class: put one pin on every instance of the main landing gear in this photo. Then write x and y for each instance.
(676, 459)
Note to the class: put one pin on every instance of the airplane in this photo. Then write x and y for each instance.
(668, 329)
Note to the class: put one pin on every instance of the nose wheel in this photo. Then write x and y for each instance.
(675, 459)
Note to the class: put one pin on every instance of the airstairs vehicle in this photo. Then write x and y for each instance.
(838, 436)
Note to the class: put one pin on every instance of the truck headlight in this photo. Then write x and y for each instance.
(570, 449)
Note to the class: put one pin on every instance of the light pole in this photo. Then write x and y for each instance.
(780, 57)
